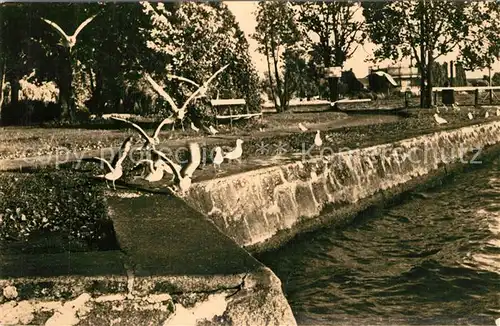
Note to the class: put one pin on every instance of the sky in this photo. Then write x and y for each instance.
(244, 11)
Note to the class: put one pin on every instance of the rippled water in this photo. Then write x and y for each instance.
(433, 259)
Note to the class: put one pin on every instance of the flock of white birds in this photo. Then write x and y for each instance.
(440, 121)
(155, 169)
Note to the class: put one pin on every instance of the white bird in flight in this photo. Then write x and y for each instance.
(150, 141)
(183, 79)
(183, 176)
(439, 120)
(236, 153)
(302, 127)
(180, 113)
(317, 140)
(115, 167)
(69, 41)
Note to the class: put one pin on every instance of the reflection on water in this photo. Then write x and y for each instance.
(434, 259)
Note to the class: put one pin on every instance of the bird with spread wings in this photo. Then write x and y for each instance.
(150, 141)
(179, 113)
(69, 41)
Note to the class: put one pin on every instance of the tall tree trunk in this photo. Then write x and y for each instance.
(279, 89)
(2, 83)
(422, 57)
(14, 90)
(65, 89)
(430, 81)
(271, 84)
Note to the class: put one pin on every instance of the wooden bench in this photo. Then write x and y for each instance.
(228, 105)
(349, 101)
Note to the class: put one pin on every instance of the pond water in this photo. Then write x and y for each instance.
(432, 259)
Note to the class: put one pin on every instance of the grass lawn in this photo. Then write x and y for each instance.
(20, 142)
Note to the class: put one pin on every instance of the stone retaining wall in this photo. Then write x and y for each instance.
(252, 207)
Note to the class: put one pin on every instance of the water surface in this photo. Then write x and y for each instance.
(432, 259)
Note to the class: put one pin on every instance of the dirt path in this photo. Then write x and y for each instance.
(350, 121)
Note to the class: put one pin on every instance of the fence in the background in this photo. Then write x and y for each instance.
(480, 93)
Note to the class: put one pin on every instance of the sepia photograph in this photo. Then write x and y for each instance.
(253, 163)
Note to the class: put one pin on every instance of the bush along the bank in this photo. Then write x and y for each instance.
(60, 207)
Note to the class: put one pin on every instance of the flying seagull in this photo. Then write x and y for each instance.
(236, 153)
(180, 113)
(150, 141)
(183, 176)
(69, 41)
(439, 120)
(187, 80)
(115, 167)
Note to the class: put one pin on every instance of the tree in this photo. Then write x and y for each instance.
(338, 29)
(426, 30)
(495, 79)
(279, 40)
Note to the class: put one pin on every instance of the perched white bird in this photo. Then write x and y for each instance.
(154, 170)
(115, 167)
(183, 176)
(236, 153)
(486, 115)
(439, 120)
(69, 41)
(194, 127)
(302, 127)
(180, 113)
(317, 140)
(212, 130)
(159, 163)
(498, 112)
(218, 158)
(470, 116)
(150, 141)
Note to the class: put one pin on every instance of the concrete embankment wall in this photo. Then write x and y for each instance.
(174, 267)
(257, 206)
